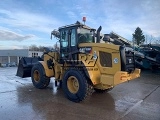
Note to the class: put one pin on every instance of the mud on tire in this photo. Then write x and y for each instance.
(75, 85)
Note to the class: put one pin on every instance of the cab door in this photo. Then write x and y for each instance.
(68, 44)
(73, 47)
(64, 43)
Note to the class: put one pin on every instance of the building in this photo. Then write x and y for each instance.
(13, 56)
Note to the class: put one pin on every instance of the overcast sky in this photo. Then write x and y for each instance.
(27, 22)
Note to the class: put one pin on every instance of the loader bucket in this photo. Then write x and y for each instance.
(25, 66)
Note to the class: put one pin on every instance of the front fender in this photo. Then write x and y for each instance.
(48, 72)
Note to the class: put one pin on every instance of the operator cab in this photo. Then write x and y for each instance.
(71, 36)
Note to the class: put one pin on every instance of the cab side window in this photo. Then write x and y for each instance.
(64, 38)
(73, 37)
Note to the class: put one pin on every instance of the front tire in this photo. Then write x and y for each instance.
(75, 85)
(39, 78)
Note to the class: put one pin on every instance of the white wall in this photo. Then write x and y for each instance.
(10, 56)
(35, 54)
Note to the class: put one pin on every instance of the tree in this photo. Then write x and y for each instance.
(36, 48)
(33, 48)
(138, 36)
(41, 48)
(56, 47)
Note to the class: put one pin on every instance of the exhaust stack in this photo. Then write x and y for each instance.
(98, 34)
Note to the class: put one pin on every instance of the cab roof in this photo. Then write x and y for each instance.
(77, 24)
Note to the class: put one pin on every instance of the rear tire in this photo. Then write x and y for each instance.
(39, 78)
(75, 85)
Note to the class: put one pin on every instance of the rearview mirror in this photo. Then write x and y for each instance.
(55, 33)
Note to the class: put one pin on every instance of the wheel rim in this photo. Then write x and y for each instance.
(36, 76)
(73, 84)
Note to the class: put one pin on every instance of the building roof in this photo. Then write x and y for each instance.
(15, 52)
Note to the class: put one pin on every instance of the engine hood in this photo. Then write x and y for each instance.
(100, 45)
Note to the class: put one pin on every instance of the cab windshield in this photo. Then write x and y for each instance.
(84, 35)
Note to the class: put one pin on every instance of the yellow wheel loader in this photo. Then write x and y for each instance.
(82, 65)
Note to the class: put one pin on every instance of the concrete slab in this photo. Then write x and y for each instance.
(148, 109)
(138, 100)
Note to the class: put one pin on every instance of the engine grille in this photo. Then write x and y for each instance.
(105, 59)
(127, 60)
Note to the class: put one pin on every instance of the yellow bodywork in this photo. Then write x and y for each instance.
(106, 77)
(49, 72)
(101, 77)
(56, 69)
(119, 77)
